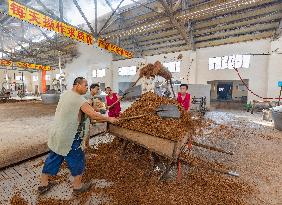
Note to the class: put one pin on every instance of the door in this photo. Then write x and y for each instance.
(224, 91)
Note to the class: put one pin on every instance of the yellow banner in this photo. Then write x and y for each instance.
(114, 48)
(32, 66)
(36, 18)
(24, 65)
(6, 63)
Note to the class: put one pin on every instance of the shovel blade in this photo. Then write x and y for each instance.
(168, 111)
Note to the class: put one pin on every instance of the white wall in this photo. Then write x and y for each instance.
(257, 72)
(263, 74)
(138, 62)
(107, 79)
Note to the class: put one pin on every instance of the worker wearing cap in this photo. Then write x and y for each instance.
(69, 127)
(183, 97)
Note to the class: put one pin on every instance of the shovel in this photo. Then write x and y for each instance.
(123, 96)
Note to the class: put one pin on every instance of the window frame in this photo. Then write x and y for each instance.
(128, 73)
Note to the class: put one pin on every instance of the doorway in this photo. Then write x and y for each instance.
(224, 91)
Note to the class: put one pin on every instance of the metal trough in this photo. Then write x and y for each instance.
(170, 149)
(164, 147)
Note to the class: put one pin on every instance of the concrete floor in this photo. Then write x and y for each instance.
(256, 144)
(24, 130)
(24, 179)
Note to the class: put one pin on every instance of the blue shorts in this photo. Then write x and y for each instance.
(75, 160)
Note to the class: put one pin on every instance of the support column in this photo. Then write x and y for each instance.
(43, 81)
(274, 70)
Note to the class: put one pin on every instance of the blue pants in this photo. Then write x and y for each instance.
(75, 160)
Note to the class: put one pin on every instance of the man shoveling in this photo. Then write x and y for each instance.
(70, 125)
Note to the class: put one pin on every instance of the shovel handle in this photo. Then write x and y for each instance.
(112, 105)
(127, 118)
(133, 117)
(211, 148)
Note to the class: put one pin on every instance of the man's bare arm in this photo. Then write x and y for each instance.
(88, 110)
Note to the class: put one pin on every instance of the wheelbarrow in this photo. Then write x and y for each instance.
(170, 149)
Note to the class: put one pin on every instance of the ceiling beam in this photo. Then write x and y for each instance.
(174, 41)
(243, 30)
(239, 23)
(107, 21)
(109, 4)
(145, 6)
(170, 13)
(230, 40)
(49, 11)
(222, 24)
(278, 32)
(221, 9)
(96, 17)
(84, 17)
(216, 22)
(172, 34)
(235, 39)
(61, 10)
(240, 15)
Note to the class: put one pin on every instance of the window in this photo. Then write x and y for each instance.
(19, 77)
(229, 62)
(173, 67)
(126, 71)
(99, 73)
(47, 77)
(242, 87)
(35, 78)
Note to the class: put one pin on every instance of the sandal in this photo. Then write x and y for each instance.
(44, 189)
(84, 188)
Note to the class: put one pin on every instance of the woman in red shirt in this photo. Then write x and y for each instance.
(112, 100)
(184, 97)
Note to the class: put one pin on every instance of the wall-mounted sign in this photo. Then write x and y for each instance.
(36, 18)
(279, 83)
(229, 62)
(114, 48)
(8, 63)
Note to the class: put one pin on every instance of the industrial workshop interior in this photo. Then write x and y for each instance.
(141, 102)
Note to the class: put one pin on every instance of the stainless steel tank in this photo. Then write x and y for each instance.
(277, 117)
(50, 98)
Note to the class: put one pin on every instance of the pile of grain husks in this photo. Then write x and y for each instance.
(134, 181)
(156, 69)
(17, 199)
(173, 129)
